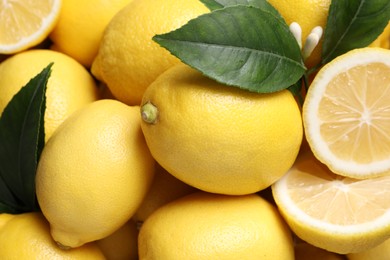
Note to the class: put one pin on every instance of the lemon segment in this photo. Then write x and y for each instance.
(346, 113)
(333, 212)
(26, 23)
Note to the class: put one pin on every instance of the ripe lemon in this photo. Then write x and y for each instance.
(122, 244)
(308, 14)
(27, 236)
(346, 115)
(383, 40)
(80, 27)
(93, 173)
(26, 23)
(380, 252)
(214, 226)
(128, 59)
(69, 87)
(218, 138)
(165, 188)
(4, 218)
(339, 214)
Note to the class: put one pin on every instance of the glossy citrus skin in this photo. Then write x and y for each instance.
(69, 87)
(212, 226)
(218, 138)
(81, 25)
(27, 236)
(128, 59)
(94, 173)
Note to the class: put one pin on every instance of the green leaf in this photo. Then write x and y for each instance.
(218, 4)
(353, 24)
(241, 46)
(21, 141)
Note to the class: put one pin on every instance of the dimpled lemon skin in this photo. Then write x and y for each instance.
(81, 25)
(214, 226)
(69, 87)
(218, 138)
(94, 173)
(128, 59)
(27, 236)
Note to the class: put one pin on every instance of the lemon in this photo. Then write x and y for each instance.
(4, 218)
(25, 24)
(306, 251)
(69, 87)
(383, 40)
(332, 212)
(346, 115)
(308, 14)
(122, 244)
(27, 236)
(165, 188)
(218, 138)
(380, 252)
(128, 59)
(80, 27)
(214, 226)
(93, 173)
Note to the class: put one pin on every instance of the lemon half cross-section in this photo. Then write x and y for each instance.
(26, 23)
(346, 113)
(336, 213)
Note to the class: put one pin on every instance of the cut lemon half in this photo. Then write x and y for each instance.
(336, 213)
(346, 114)
(25, 24)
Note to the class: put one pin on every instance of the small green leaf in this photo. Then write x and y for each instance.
(241, 46)
(218, 4)
(21, 142)
(353, 24)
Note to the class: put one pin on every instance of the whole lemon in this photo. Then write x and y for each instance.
(80, 27)
(69, 87)
(308, 14)
(94, 172)
(383, 40)
(214, 226)
(27, 236)
(128, 59)
(219, 138)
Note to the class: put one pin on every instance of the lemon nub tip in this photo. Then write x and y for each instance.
(149, 113)
(63, 247)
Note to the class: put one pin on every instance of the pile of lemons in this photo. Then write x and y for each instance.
(146, 158)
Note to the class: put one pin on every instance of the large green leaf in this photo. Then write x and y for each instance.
(353, 24)
(262, 4)
(21, 140)
(242, 46)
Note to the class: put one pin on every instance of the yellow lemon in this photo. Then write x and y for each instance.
(165, 188)
(128, 59)
(4, 218)
(94, 172)
(380, 252)
(383, 40)
(122, 244)
(25, 24)
(214, 226)
(346, 115)
(332, 212)
(27, 236)
(218, 138)
(69, 87)
(308, 14)
(80, 27)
